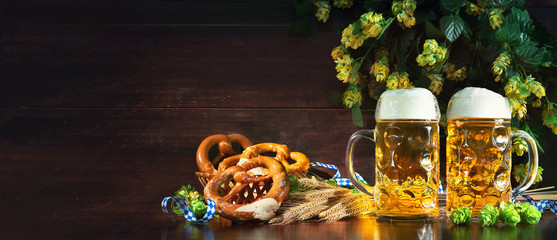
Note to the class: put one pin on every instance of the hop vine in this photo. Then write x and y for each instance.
(444, 46)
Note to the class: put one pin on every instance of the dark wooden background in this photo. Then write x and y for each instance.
(103, 103)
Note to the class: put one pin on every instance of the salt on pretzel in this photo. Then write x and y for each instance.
(224, 142)
(241, 203)
(235, 160)
(283, 154)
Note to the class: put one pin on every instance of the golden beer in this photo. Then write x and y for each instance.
(479, 151)
(478, 163)
(406, 164)
(407, 168)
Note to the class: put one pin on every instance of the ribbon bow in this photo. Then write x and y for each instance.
(343, 182)
(186, 211)
(541, 205)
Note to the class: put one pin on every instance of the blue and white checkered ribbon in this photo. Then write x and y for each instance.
(440, 189)
(185, 209)
(541, 205)
(343, 182)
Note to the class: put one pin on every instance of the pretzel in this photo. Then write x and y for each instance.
(225, 150)
(283, 154)
(229, 162)
(235, 160)
(252, 198)
(300, 167)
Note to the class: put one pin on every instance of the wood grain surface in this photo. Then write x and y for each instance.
(103, 104)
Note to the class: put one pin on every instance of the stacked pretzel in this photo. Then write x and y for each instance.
(247, 186)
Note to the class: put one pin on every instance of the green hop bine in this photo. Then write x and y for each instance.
(443, 46)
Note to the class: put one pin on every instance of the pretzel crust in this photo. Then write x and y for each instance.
(224, 142)
(300, 167)
(283, 154)
(235, 205)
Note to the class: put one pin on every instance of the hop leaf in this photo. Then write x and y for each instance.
(452, 26)
(508, 33)
(460, 216)
(520, 18)
(452, 5)
(295, 185)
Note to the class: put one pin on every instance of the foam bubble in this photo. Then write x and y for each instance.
(474, 102)
(415, 103)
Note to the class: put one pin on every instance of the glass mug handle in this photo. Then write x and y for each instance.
(532, 162)
(364, 133)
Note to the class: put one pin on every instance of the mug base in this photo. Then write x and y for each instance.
(423, 218)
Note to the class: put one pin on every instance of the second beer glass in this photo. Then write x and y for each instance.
(479, 151)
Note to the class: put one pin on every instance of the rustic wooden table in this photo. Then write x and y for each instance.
(102, 225)
(363, 227)
(103, 104)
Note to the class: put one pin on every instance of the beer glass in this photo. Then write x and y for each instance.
(479, 151)
(406, 164)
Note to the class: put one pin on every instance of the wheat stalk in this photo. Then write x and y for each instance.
(340, 205)
(314, 183)
(313, 212)
(353, 204)
(296, 212)
(326, 193)
(322, 201)
(276, 220)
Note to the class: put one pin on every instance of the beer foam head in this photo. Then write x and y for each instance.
(473, 102)
(415, 103)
